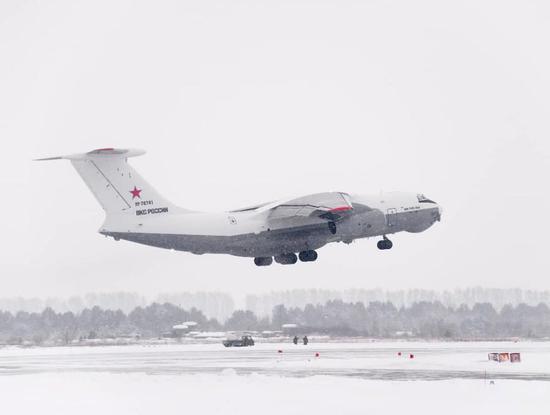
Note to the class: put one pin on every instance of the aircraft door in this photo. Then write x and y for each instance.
(391, 217)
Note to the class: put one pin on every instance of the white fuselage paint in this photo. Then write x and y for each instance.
(249, 234)
(136, 212)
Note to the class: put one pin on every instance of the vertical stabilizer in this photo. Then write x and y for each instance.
(116, 185)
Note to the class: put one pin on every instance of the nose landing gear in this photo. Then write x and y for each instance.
(384, 244)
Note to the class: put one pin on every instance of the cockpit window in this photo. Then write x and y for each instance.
(423, 199)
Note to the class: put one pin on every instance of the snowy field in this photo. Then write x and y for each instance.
(346, 378)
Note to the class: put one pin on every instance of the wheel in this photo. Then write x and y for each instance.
(307, 256)
(384, 244)
(263, 261)
(332, 227)
(286, 259)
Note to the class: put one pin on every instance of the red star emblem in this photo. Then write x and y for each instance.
(135, 193)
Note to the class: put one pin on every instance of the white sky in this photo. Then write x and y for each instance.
(242, 102)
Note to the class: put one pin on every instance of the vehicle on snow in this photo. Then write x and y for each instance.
(244, 341)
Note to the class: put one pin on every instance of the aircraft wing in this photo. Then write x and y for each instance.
(315, 208)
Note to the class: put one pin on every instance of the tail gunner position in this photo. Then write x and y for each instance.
(284, 230)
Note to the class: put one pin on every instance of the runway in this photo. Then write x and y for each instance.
(276, 378)
(365, 360)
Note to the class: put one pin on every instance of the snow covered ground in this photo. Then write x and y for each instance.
(346, 378)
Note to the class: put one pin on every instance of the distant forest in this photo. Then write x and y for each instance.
(221, 305)
(430, 320)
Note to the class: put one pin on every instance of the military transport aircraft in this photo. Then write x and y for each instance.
(275, 230)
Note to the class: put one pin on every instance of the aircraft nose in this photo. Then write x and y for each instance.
(440, 211)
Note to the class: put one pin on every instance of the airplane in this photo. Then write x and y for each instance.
(270, 231)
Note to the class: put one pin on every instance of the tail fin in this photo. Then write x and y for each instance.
(118, 188)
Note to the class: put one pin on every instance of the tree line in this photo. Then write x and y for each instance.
(262, 304)
(338, 318)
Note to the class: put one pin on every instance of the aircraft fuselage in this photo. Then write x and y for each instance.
(279, 230)
(247, 233)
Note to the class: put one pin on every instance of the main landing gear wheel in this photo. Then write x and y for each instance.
(263, 261)
(332, 227)
(307, 256)
(286, 259)
(384, 244)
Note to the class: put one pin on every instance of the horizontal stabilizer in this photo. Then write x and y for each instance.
(49, 158)
(100, 153)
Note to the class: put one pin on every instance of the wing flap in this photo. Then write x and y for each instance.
(319, 207)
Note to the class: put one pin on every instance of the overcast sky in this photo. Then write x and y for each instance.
(242, 102)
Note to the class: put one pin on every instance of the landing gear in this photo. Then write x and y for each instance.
(384, 244)
(263, 261)
(307, 256)
(286, 259)
(332, 227)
